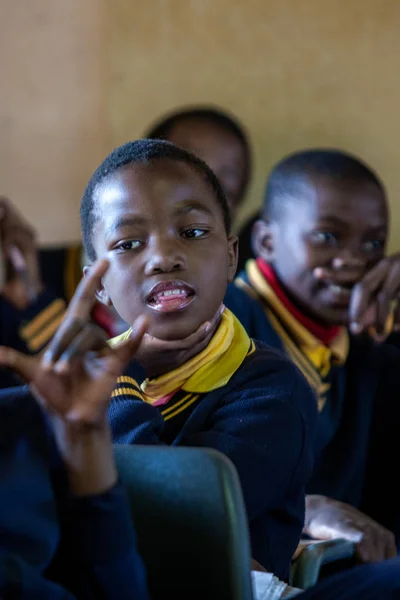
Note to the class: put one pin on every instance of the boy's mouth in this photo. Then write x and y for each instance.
(170, 296)
(341, 292)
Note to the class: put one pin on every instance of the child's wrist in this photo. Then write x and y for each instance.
(88, 456)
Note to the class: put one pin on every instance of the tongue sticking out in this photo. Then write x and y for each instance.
(170, 300)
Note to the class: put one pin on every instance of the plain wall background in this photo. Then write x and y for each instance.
(80, 77)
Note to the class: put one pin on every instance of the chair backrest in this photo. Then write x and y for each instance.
(190, 521)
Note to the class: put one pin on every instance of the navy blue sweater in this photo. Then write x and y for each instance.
(263, 420)
(28, 330)
(52, 545)
(356, 444)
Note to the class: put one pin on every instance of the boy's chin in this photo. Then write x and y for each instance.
(334, 317)
(172, 332)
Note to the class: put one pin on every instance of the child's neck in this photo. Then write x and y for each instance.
(324, 333)
(158, 357)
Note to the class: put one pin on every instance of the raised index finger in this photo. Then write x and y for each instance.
(85, 296)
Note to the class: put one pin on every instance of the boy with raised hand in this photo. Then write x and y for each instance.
(160, 217)
(320, 286)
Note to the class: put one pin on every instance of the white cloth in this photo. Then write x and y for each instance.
(268, 587)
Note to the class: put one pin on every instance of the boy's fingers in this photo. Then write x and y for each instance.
(85, 296)
(90, 339)
(78, 313)
(126, 350)
(364, 293)
(387, 296)
(396, 318)
(16, 258)
(69, 329)
(25, 366)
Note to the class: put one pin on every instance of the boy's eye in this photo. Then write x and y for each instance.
(195, 232)
(374, 245)
(128, 245)
(324, 237)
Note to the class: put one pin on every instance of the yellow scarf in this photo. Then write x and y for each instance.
(210, 369)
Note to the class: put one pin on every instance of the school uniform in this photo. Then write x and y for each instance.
(357, 384)
(30, 330)
(54, 545)
(246, 401)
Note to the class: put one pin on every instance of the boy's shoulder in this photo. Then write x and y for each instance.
(269, 373)
(251, 314)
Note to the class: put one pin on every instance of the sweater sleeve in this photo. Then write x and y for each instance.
(267, 437)
(98, 555)
(135, 422)
(29, 330)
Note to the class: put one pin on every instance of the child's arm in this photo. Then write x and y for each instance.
(73, 384)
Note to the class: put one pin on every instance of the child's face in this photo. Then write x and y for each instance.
(340, 229)
(219, 148)
(163, 232)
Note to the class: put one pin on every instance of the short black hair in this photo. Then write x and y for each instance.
(297, 170)
(162, 127)
(142, 152)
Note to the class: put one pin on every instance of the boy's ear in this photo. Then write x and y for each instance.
(263, 240)
(101, 293)
(233, 256)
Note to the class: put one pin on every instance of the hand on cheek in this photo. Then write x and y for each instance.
(373, 299)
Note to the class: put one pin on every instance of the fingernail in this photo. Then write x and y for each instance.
(61, 366)
(207, 327)
(47, 360)
(222, 309)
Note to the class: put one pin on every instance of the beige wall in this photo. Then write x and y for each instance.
(51, 108)
(298, 73)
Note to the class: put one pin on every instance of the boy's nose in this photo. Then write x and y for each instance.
(164, 257)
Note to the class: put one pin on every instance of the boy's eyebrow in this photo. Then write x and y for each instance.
(126, 221)
(337, 221)
(184, 208)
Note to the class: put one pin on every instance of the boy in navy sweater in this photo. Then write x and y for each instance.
(321, 269)
(160, 218)
(65, 525)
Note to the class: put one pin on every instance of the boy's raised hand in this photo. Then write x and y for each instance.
(74, 379)
(372, 299)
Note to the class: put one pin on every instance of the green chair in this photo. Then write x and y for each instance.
(190, 519)
(306, 567)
